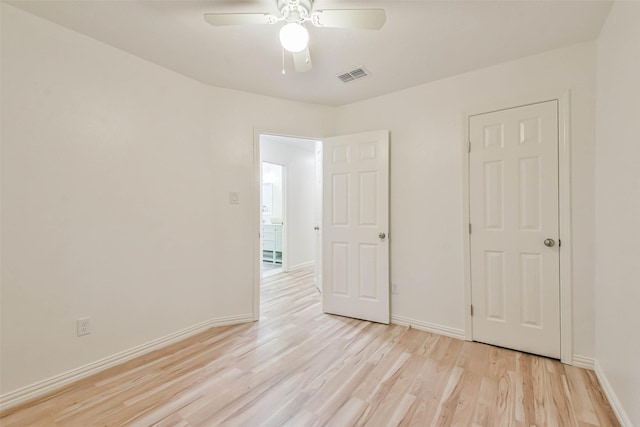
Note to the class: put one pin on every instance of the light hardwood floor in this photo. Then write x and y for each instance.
(300, 367)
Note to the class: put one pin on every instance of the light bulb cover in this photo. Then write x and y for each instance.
(294, 37)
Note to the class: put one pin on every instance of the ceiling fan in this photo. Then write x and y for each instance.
(294, 37)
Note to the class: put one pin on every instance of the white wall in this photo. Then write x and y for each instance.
(300, 196)
(116, 176)
(426, 169)
(618, 208)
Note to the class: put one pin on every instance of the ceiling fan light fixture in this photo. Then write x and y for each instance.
(294, 37)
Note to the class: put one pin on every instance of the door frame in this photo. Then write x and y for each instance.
(257, 215)
(564, 212)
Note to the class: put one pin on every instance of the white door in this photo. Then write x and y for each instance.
(318, 213)
(355, 245)
(515, 259)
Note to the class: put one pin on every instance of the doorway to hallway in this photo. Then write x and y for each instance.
(288, 207)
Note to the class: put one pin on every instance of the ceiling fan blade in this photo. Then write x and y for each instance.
(221, 19)
(367, 19)
(302, 61)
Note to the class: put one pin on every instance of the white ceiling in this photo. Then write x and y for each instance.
(422, 40)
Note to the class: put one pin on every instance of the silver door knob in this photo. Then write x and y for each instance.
(549, 242)
(382, 235)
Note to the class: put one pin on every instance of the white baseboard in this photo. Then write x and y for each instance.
(429, 327)
(302, 265)
(623, 418)
(582, 362)
(40, 388)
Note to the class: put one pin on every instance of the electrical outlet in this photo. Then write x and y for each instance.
(84, 326)
(394, 288)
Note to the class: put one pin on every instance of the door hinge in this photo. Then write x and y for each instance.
(472, 309)
(469, 228)
(469, 146)
(559, 242)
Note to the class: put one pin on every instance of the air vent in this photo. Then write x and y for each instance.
(352, 75)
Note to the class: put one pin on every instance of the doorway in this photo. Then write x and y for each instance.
(348, 195)
(289, 226)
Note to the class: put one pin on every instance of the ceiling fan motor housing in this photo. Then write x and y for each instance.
(294, 10)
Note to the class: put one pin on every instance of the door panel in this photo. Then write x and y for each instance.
(513, 171)
(368, 268)
(530, 203)
(531, 289)
(356, 210)
(494, 285)
(340, 199)
(494, 195)
(340, 269)
(368, 199)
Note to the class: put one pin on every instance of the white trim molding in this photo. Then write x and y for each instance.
(564, 205)
(40, 388)
(583, 362)
(621, 414)
(564, 194)
(428, 327)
